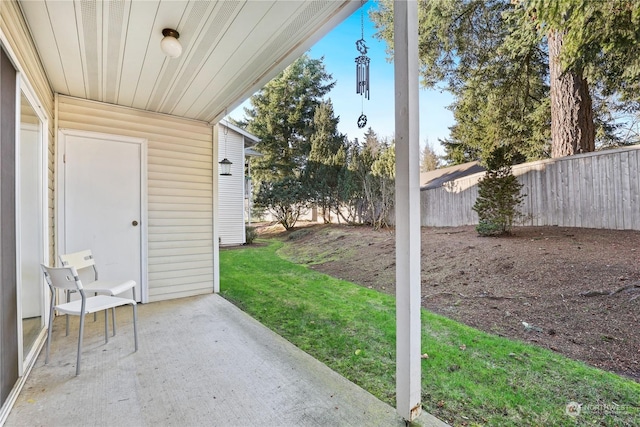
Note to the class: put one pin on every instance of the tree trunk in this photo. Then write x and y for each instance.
(572, 128)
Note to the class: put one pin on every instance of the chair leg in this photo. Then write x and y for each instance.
(66, 333)
(49, 331)
(133, 291)
(80, 344)
(106, 327)
(135, 325)
(95, 315)
(113, 320)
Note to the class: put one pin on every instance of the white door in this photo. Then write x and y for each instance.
(102, 199)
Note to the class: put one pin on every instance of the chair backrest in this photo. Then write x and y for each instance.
(62, 278)
(81, 260)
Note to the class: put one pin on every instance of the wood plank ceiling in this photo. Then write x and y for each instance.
(109, 50)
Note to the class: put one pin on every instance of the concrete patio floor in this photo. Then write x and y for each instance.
(201, 362)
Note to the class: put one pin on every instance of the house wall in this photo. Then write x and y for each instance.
(180, 191)
(231, 189)
(593, 190)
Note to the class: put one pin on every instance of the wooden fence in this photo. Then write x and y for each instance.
(593, 190)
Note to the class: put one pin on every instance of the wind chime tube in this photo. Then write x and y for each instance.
(366, 71)
(362, 76)
(357, 76)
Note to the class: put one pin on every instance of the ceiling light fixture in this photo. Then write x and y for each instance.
(170, 45)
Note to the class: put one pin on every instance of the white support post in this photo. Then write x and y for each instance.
(408, 327)
(216, 207)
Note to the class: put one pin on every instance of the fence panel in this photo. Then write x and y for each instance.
(593, 190)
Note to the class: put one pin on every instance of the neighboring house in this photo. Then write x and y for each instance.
(234, 145)
(439, 177)
(439, 210)
(107, 144)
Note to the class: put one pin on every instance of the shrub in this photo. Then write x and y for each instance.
(285, 199)
(488, 228)
(498, 197)
(250, 234)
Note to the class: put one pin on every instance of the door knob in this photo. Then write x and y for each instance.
(134, 223)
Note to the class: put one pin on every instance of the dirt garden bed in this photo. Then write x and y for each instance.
(575, 291)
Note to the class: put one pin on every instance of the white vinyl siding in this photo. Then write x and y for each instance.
(180, 191)
(231, 189)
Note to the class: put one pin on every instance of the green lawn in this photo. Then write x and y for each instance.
(469, 378)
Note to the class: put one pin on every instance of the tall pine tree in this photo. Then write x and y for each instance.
(281, 115)
(327, 160)
(495, 57)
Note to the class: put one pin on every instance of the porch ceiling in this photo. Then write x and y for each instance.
(109, 51)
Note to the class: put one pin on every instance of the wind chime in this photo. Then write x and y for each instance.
(362, 69)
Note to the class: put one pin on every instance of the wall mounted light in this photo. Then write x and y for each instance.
(225, 167)
(170, 45)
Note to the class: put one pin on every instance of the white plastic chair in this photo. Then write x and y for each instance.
(66, 278)
(85, 265)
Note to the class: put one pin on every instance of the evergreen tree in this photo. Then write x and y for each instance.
(372, 167)
(596, 44)
(350, 191)
(499, 195)
(600, 37)
(361, 159)
(327, 159)
(497, 75)
(572, 124)
(495, 56)
(383, 171)
(429, 159)
(281, 115)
